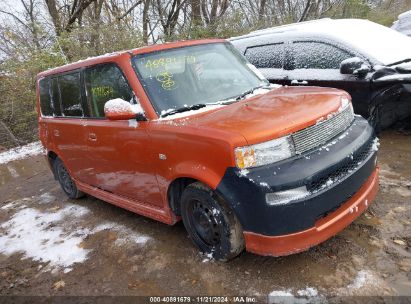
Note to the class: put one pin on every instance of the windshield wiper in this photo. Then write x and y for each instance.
(250, 91)
(399, 62)
(184, 109)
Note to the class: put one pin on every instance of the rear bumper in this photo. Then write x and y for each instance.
(323, 228)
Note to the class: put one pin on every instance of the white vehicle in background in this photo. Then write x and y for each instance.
(403, 24)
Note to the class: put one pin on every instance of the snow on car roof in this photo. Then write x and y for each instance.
(379, 42)
(403, 24)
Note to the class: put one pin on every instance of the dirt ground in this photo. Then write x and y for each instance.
(51, 245)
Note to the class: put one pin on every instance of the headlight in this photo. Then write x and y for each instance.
(265, 153)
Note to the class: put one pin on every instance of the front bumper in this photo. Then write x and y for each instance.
(322, 230)
(349, 161)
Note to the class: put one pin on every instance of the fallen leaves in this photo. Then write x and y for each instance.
(399, 242)
(59, 284)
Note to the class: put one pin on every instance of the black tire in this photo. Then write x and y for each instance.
(210, 223)
(65, 180)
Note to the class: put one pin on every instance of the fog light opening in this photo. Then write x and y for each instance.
(284, 197)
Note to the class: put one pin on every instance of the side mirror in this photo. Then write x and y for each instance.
(119, 109)
(354, 66)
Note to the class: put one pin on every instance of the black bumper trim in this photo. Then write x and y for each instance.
(246, 194)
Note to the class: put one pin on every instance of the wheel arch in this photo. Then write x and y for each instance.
(186, 173)
(51, 157)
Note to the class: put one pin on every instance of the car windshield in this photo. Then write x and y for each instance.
(195, 75)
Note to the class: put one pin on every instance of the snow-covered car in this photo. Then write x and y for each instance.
(369, 61)
(403, 24)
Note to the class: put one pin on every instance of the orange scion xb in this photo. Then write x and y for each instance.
(192, 131)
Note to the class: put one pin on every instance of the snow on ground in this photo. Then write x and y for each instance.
(363, 283)
(31, 149)
(54, 236)
(37, 236)
(302, 296)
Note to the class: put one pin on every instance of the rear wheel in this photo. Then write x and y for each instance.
(65, 180)
(211, 224)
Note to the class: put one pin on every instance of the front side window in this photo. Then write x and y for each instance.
(105, 82)
(194, 75)
(269, 56)
(46, 106)
(318, 55)
(69, 85)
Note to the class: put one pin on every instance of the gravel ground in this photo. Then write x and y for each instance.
(51, 245)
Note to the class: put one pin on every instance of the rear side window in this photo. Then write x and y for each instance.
(267, 56)
(46, 106)
(318, 55)
(70, 94)
(105, 82)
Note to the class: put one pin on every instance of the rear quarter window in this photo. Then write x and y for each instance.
(70, 94)
(46, 106)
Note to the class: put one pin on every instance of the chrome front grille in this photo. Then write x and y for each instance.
(320, 133)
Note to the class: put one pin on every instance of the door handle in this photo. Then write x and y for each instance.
(299, 82)
(92, 136)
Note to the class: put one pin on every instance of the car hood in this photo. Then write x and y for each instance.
(277, 113)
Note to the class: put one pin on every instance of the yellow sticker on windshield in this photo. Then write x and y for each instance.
(166, 80)
(164, 62)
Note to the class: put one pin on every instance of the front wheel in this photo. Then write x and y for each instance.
(65, 180)
(210, 223)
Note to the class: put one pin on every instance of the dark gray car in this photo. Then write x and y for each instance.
(370, 61)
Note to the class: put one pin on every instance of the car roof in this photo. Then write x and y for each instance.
(110, 57)
(377, 43)
(326, 26)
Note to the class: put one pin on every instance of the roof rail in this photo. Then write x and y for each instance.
(290, 25)
(280, 28)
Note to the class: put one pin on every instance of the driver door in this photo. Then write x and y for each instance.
(119, 153)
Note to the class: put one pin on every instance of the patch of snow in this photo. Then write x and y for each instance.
(189, 113)
(208, 257)
(308, 292)
(51, 237)
(244, 172)
(281, 293)
(300, 82)
(303, 296)
(132, 123)
(403, 24)
(360, 280)
(375, 144)
(118, 105)
(125, 235)
(264, 184)
(46, 198)
(36, 235)
(137, 108)
(31, 149)
(8, 206)
(13, 172)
